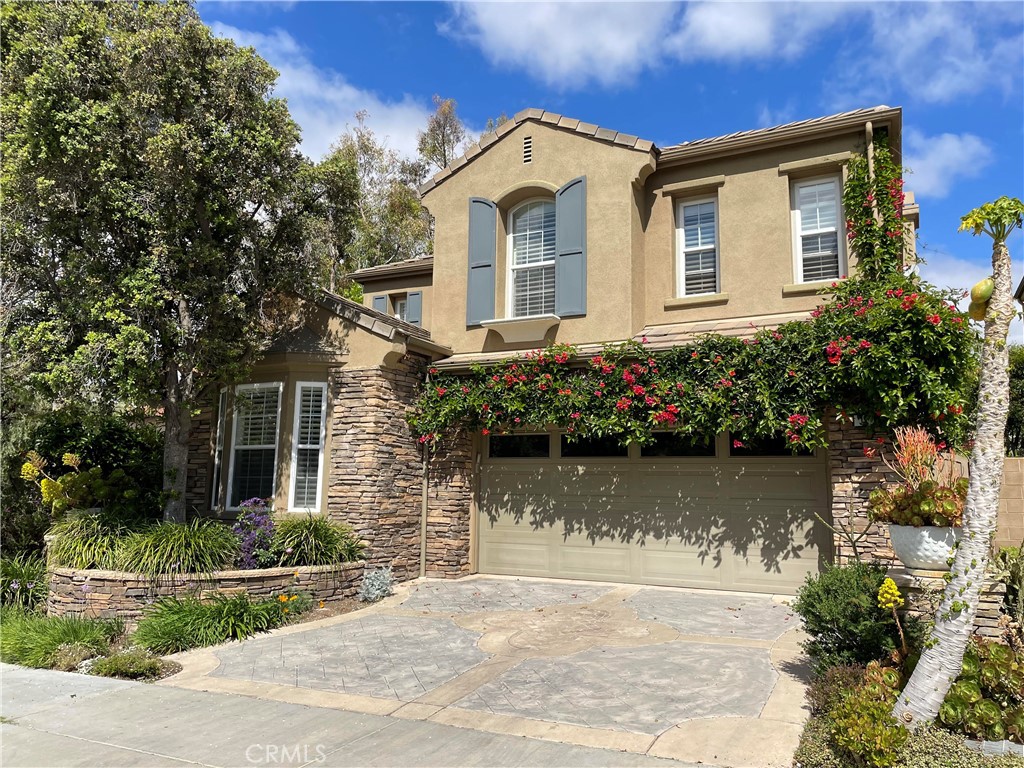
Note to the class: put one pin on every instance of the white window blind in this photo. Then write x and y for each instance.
(254, 443)
(698, 248)
(308, 444)
(817, 211)
(532, 249)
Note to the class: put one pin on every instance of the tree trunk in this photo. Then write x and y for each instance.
(177, 428)
(954, 621)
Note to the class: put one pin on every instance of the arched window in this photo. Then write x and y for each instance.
(531, 258)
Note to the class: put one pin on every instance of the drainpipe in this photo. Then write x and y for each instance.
(869, 137)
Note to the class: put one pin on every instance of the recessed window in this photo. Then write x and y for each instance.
(671, 444)
(400, 305)
(763, 446)
(697, 247)
(593, 447)
(531, 248)
(519, 446)
(254, 442)
(816, 217)
(527, 149)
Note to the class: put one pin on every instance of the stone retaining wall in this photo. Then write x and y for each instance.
(116, 594)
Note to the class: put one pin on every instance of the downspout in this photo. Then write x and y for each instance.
(869, 137)
(423, 514)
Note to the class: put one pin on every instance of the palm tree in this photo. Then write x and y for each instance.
(942, 659)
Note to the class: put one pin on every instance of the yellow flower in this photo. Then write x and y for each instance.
(51, 489)
(889, 595)
(283, 598)
(292, 598)
(321, 603)
(71, 460)
(286, 610)
(29, 471)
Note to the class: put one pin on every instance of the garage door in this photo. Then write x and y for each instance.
(726, 514)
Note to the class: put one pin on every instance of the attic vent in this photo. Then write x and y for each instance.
(527, 149)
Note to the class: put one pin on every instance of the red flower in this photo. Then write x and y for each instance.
(575, 415)
(638, 390)
(870, 452)
(623, 403)
(693, 354)
(486, 431)
(737, 443)
(934, 319)
(441, 391)
(433, 370)
(465, 390)
(628, 377)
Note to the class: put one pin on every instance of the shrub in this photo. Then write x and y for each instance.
(987, 699)
(33, 640)
(862, 724)
(202, 546)
(315, 540)
(1008, 565)
(132, 664)
(828, 688)
(85, 540)
(23, 581)
(841, 614)
(377, 584)
(255, 531)
(176, 624)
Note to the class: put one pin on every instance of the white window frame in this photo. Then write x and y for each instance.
(682, 250)
(241, 388)
(216, 495)
(798, 250)
(297, 407)
(400, 305)
(511, 267)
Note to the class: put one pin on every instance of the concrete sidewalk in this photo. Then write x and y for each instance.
(63, 719)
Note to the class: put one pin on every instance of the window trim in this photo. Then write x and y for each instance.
(511, 267)
(795, 220)
(396, 299)
(234, 437)
(681, 250)
(217, 470)
(297, 403)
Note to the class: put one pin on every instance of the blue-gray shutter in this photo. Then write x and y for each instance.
(571, 248)
(482, 238)
(414, 308)
(380, 303)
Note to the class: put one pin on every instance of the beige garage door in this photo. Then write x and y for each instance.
(678, 514)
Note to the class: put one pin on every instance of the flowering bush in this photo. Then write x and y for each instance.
(930, 493)
(255, 531)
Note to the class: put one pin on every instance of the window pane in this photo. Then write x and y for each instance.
(256, 411)
(311, 402)
(672, 444)
(818, 206)
(519, 446)
(699, 225)
(593, 447)
(533, 233)
(763, 446)
(700, 273)
(820, 256)
(253, 474)
(534, 291)
(307, 465)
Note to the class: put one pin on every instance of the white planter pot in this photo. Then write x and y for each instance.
(926, 548)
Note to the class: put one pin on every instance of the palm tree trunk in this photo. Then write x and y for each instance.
(954, 621)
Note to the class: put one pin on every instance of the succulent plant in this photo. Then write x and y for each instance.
(953, 711)
(988, 712)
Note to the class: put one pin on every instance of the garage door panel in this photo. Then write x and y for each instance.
(725, 524)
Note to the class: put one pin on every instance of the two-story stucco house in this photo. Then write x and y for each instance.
(555, 230)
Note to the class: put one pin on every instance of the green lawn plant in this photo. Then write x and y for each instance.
(314, 540)
(46, 642)
(23, 581)
(176, 624)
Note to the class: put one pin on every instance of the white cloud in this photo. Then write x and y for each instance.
(566, 45)
(323, 102)
(937, 162)
(724, 31)
(947, 271)
(768, 117)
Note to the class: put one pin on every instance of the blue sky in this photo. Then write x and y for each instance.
(670, 72)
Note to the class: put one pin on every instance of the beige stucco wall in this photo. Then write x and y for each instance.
(1010, 532)
(499, 174)
(631, 231)
(756, 250)
(401, 285)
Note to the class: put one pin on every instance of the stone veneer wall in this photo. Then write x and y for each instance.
(200, 462)
(375, 473)
(1011, 505)
(110, 594)
(923, 591)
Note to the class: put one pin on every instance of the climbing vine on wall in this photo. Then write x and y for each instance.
(884, 347)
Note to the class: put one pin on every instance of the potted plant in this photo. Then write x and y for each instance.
(925, 510)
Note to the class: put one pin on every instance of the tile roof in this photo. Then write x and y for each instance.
(413, 265)
(372, 320)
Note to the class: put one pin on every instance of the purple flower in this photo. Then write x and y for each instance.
(14, 586)
(86, 588)
(30, 585)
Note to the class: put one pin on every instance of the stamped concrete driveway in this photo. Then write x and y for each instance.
(695, 676)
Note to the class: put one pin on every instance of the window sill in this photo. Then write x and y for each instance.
(701, 300)
(807, 289)
(515, 330)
